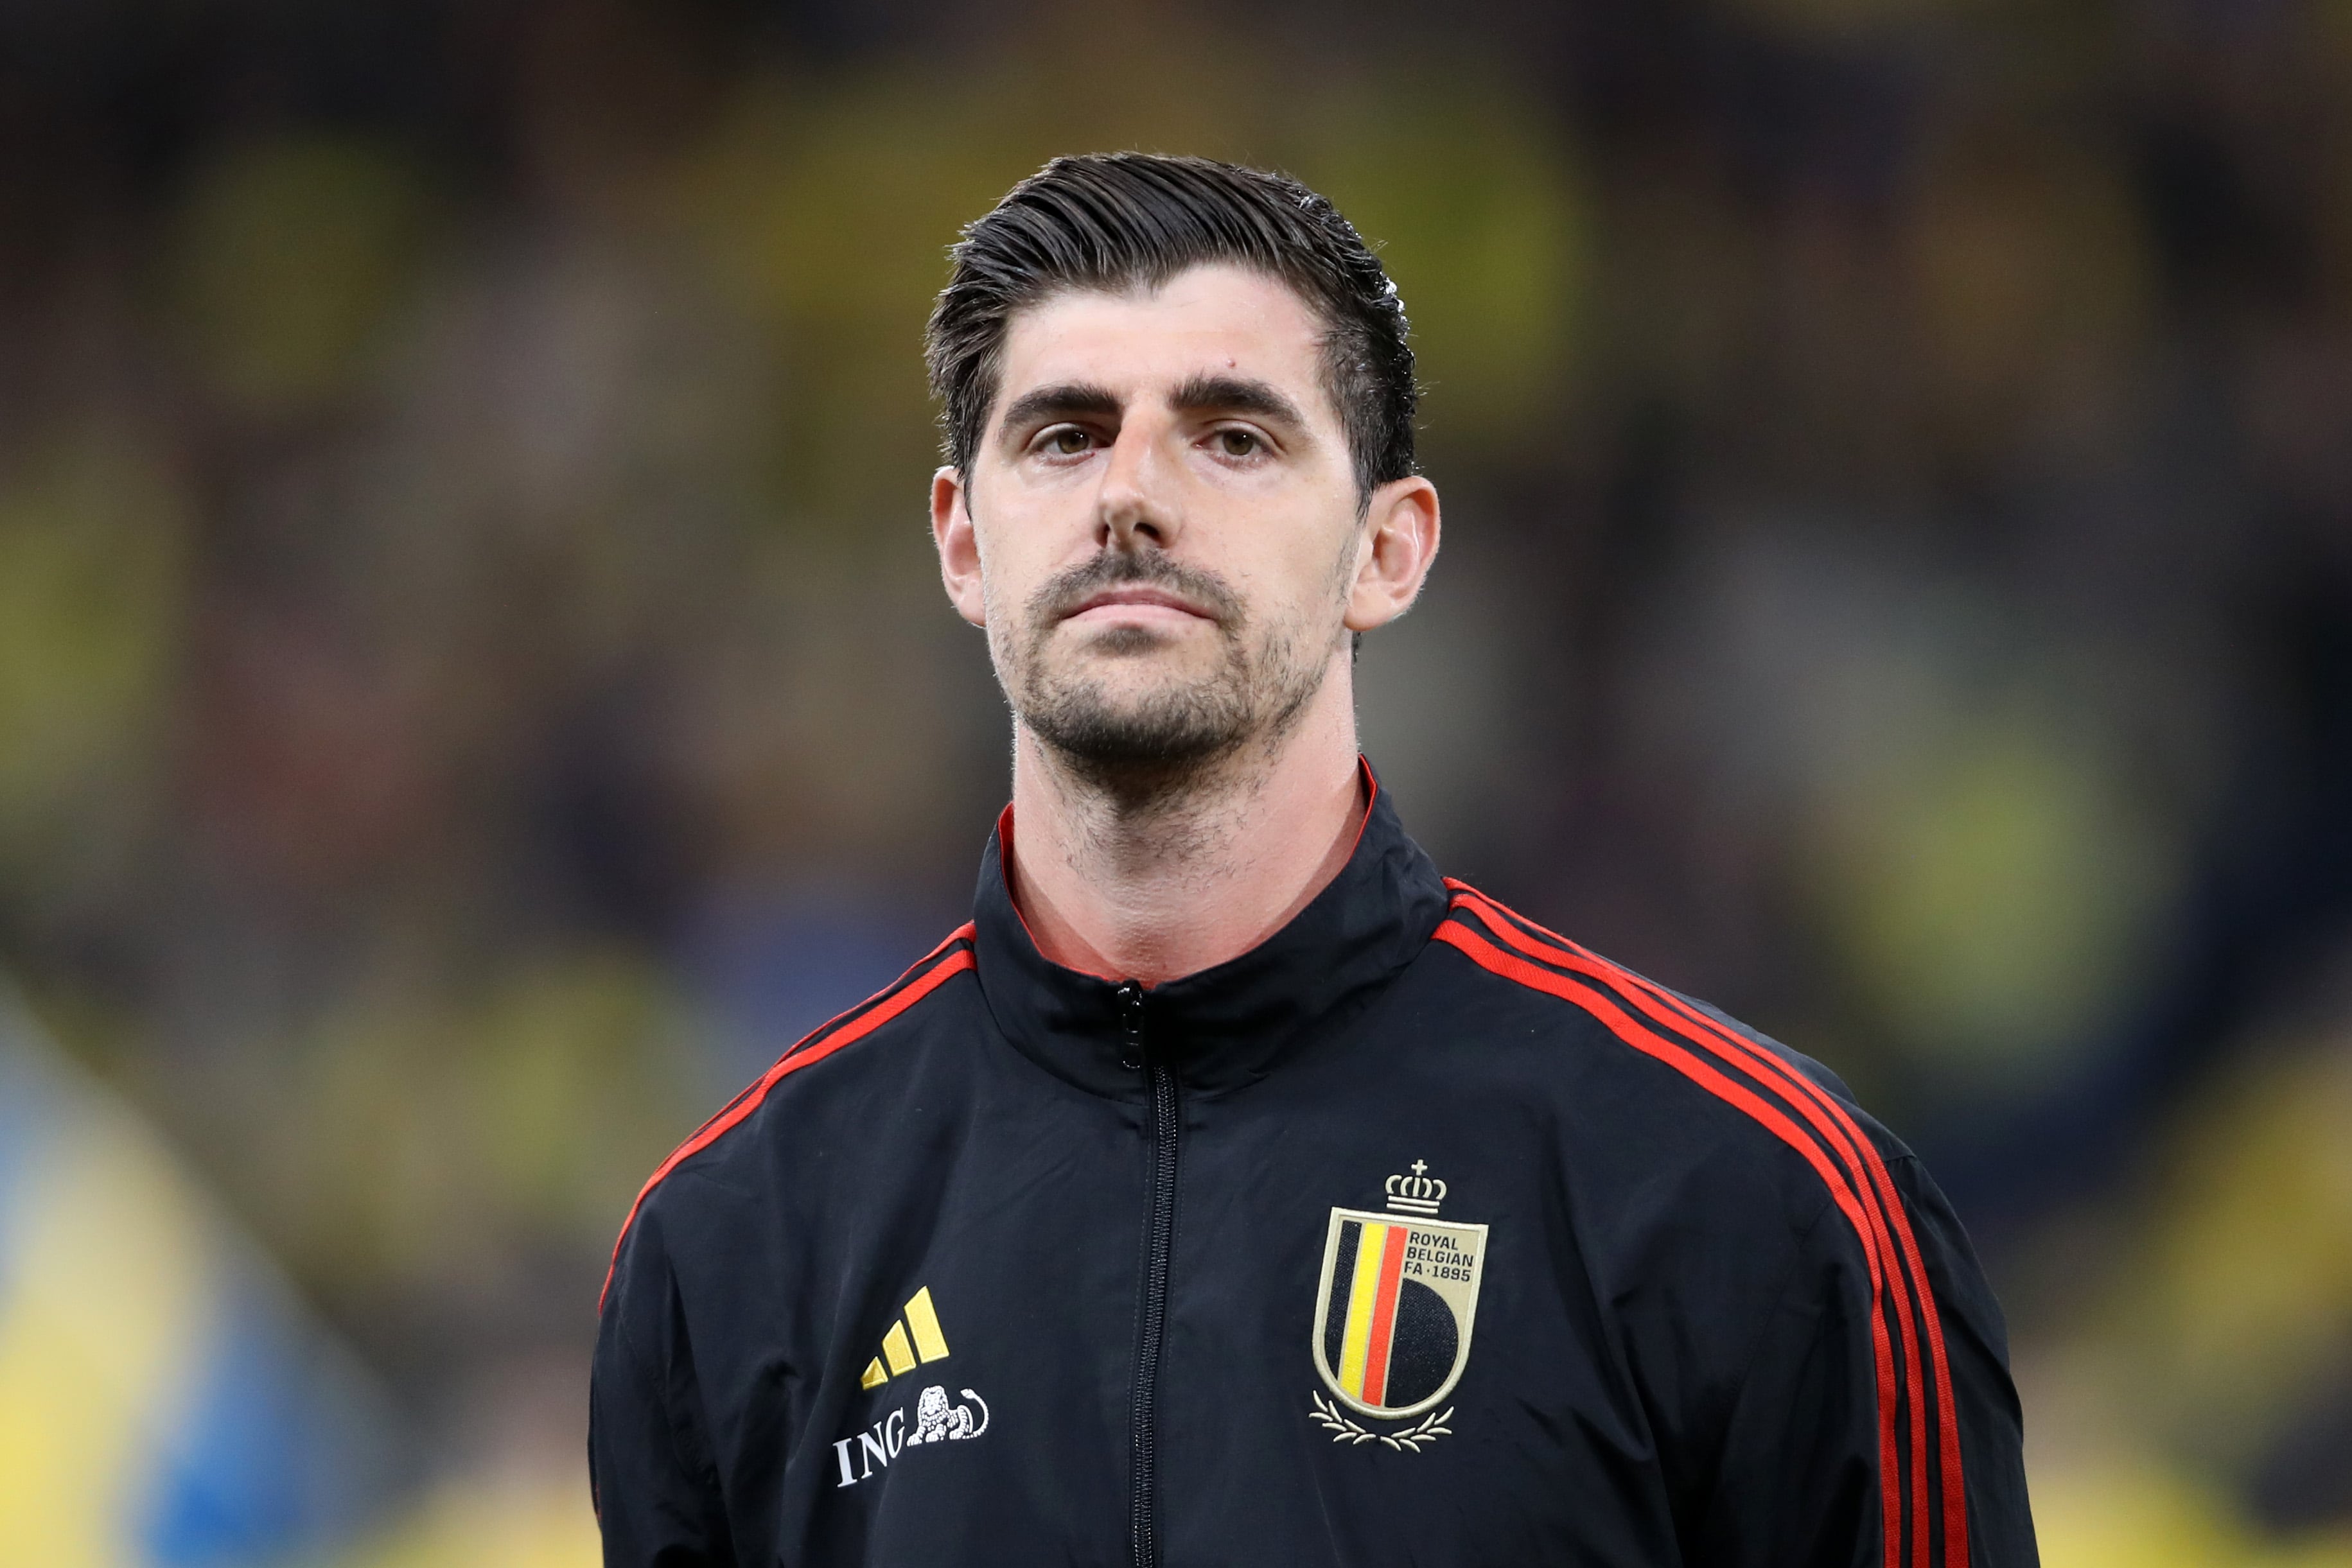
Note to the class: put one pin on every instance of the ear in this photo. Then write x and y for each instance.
(958, 544)
(1394, 552)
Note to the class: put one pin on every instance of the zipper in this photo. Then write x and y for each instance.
(1158, 1241)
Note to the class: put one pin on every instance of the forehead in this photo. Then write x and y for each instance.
(1221, 318)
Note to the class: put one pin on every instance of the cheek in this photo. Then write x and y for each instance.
(1321, 570)
(1021, 545)
(1004, 606)
(1301, 605)
(1003, 571)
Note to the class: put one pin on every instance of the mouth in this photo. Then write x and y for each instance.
(1136, 603)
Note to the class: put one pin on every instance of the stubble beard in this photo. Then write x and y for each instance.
(1169, 737)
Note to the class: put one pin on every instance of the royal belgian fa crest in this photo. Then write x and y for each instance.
(1394, 1313)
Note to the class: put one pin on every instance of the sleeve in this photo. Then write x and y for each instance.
(651, 1474)
(1811, 1468)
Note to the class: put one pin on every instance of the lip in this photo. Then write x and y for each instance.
(1136, 596)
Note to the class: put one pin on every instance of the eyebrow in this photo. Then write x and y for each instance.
(1044, 404)
(1237, 394)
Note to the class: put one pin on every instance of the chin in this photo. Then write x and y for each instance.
(1144, 722)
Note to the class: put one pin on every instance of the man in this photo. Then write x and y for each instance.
(1234, 1190)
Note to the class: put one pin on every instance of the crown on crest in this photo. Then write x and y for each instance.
(1418, 1193)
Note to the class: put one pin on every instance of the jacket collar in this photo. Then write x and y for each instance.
(1227, 1025)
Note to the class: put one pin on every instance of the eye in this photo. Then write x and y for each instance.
(1240, 443)
(1066, 440)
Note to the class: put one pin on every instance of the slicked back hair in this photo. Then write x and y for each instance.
(1122, 220)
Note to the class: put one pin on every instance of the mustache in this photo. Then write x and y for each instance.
(1062, 594)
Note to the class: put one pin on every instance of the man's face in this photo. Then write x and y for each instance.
(1164, 515)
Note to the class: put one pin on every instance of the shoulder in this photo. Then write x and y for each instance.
(1692, 1126)
(844, 1056)
(1663, 1082)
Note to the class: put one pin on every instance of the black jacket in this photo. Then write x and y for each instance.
(1415, 1234)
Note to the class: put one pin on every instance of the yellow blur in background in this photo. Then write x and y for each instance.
(165, 1397)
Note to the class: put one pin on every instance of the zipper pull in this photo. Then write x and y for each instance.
(1130, 1023)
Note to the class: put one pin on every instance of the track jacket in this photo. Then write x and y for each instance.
(1416, 1235)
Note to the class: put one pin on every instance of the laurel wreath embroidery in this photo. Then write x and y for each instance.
(1428, 1429)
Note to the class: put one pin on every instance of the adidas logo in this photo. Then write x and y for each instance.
(913, 1340)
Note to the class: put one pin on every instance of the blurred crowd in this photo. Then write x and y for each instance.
(473, 686)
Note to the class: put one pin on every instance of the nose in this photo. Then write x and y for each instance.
(1137, 506)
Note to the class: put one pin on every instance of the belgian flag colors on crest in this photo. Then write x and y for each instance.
(1393, 1315)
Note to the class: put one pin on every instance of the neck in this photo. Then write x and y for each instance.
(1151, 879)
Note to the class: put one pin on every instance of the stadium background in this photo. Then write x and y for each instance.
(472, 687)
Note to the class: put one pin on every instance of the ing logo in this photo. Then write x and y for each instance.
(914, 1339)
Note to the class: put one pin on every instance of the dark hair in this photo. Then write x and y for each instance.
(1126, 220)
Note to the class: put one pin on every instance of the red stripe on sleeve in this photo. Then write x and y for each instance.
(1490, 957)
(1861, 1153)
(895, 999)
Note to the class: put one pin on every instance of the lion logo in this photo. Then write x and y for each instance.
(937, 1421)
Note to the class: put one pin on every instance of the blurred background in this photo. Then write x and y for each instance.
(473, 686)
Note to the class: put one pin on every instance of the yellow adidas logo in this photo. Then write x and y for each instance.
(912, 1339)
